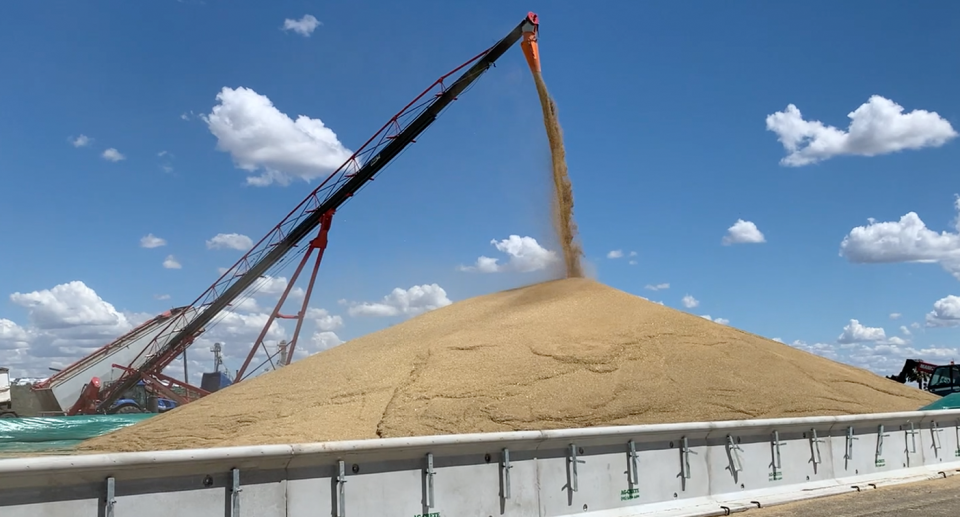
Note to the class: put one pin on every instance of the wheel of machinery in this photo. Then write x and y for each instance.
(8, 414)
(126, 409)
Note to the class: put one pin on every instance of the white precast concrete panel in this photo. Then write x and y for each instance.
(200, 502)
(392, 476)
(652, 486)
(943, 439)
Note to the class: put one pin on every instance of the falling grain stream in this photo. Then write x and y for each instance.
(563, 222)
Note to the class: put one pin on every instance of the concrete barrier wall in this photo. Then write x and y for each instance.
(674, 469)
(25, 401)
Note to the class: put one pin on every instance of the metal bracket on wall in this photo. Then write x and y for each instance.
(235, 490)
(815, 448)
(633, 467)
(956, 428)
(111, 498)
(848, 453)
(911, 442)
(775, 464)
(430, 473)
(340, 494)
(733, 453)
(935, 438)
(505, 463)
(685, 453)
(878, 460)
(572, 467)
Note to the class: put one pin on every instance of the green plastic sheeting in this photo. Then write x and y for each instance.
(60, 432)
(951, 401)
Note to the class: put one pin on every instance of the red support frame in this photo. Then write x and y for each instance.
(156, 382)
(319, 243)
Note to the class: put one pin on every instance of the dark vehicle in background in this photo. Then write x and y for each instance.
(940, 380)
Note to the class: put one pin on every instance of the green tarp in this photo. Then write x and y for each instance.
(951, 401)
(60, 432)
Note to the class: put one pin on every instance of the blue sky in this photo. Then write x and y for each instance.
(665, 112)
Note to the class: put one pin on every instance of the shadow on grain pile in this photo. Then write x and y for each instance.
(564, 353)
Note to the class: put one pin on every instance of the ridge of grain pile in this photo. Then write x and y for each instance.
(564, 353)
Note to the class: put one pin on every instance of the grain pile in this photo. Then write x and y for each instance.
(562, 204)
(564, 353)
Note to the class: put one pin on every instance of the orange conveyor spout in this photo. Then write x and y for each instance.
(529, 43)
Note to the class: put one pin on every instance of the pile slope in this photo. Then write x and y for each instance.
(564, 353)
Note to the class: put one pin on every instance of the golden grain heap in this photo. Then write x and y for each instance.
(564, 353)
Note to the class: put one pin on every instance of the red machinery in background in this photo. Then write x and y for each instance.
(315, 213)
(76, 389)
(939, 379)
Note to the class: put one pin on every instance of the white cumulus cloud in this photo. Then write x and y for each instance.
(657, 287)
(945, 313)
(234, 241)
(324, 320)
(906, 240)
(822, 349)
(855, 332)
(259, 136)
(887, 358)
(690, 302)
(66, 322)
(323, 340)
(12, 336)
(304, 26)
(615, 254)
(722, 321)
(274, 286)
(152, 241)
(113, 155)
(412, 301)
(68, 304)
(743, 232)
(525, 255)
(171, 262)
(881, 357)
(877, 127)
(246, 306)
(81, 141)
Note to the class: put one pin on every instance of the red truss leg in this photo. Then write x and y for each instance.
(320, 245)
(163, 384)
